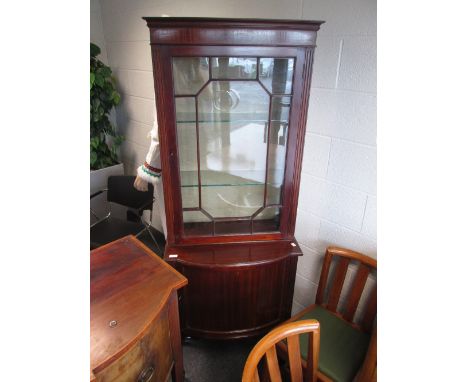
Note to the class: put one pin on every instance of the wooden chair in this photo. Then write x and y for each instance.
(266, 346)
(348, 347)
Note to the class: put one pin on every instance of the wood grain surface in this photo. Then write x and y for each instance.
(131, 286)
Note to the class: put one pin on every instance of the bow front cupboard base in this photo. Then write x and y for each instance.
(232, 101)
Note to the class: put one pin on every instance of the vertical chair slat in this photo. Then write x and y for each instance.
(356, 292)
(295, 360)
(371, 311)
(267, 347)
(312, 365)
(338, 281)
(323, 279)
(315, 355)
(273, 366)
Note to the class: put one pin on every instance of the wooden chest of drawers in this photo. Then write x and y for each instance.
(135, 333)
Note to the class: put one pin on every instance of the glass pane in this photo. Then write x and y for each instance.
(241, 143)
(267, 221)
(233, 67)
(233, 226)
(280, 107)
(196, 223)
(190, 74)
(187, 147)
(276, 74)
(232, 123)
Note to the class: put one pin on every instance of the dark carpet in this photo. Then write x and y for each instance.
(215, 361)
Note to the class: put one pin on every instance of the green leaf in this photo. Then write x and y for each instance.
(104, 140)
(94, 142)
(116, 98)
(94, 158)
(95, 50)
(105, 71)
(99, 79)
(96, 103)
(118, 140)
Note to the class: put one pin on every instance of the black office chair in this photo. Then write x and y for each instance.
(120, 190)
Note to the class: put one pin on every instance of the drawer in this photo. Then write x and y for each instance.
(149, 360)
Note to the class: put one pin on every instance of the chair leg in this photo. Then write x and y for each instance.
(99, 221)
(147, 228)
(152, 237)
(94, 214)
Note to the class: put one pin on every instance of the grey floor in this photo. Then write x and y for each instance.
(215, 361)
(220, 361)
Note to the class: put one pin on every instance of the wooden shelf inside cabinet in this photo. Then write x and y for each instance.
(232, 100)
(134, 314)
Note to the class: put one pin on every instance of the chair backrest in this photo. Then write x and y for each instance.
(267, 346)
(365, 265)
(120, 190)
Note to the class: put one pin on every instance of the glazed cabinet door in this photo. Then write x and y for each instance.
(235, 134)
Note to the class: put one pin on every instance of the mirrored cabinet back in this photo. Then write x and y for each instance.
(232, 101)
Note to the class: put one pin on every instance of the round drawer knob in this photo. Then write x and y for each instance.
(113, 323)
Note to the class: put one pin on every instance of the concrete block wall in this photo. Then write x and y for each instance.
(97, 32)
(337, 202)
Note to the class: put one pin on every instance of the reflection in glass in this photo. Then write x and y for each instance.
(196, 223)
(233, 67)
(277, 74)
(232, 135)
(190, 74)
(280, 107)
(187, 148)
(239, 226)
(232, 117)
(268, 220)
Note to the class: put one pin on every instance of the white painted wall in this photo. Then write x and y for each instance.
(337, 202)
(97, 32)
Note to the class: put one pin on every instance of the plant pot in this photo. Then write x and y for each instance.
(98, 181)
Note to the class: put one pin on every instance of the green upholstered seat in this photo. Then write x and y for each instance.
(342, 348)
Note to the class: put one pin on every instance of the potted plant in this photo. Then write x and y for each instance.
(104, 140)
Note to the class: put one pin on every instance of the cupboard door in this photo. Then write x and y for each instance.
(237, 301)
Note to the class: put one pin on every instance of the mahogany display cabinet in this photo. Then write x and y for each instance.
(232, 101)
